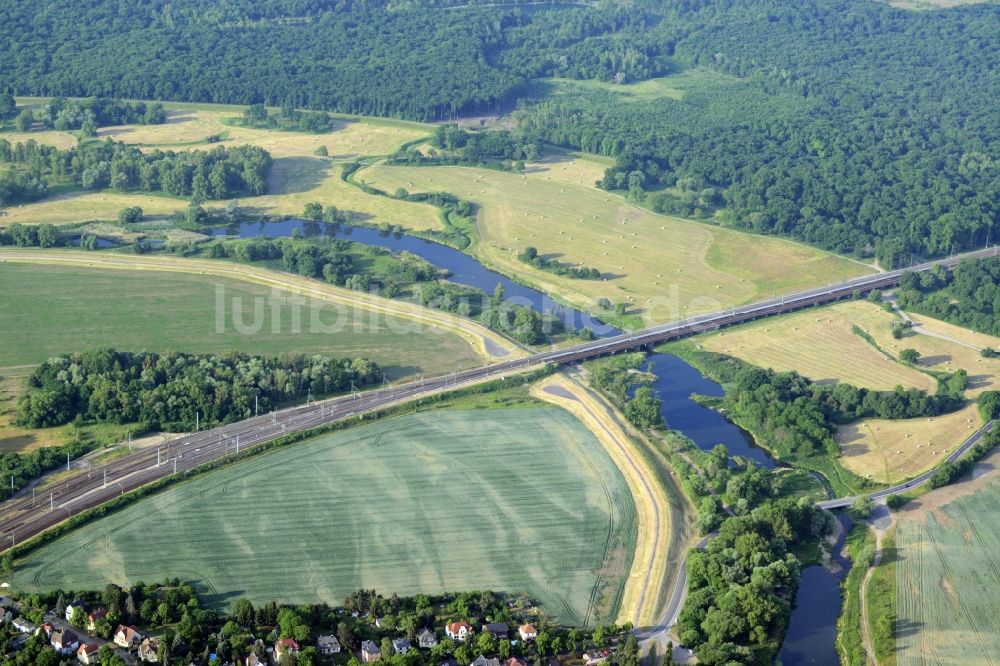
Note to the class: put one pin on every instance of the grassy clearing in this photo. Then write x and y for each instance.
(947, 582)
(356, 509)
(661, 267)
(298, 175)
(675, 86)
(820, 344)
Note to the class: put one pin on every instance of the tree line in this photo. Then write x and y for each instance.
(215, 174)
(173, 391)
(969, 296)
(87, 115)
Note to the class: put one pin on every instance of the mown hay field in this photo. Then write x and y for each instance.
(891, 451)
(821, 345)
(297, 177)
(662, 267)
(517, 500)
(948, 583)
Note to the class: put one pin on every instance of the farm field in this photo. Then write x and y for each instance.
(947, 579)
(820, 344)
(354, 509)
(874, 446)
(662, 267)
(297, 177)
(47, 310)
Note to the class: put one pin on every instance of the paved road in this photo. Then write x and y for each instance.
(26, 516)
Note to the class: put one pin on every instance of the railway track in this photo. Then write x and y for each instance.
(28, 515)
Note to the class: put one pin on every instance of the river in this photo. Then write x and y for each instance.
(812, 629)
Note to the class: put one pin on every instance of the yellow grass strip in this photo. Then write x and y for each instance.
(475, 334)
(652, 506)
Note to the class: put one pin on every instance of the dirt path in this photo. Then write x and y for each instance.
(880, 521)
(640, 600)
(490, 345)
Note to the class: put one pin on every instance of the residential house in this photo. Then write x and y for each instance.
(596, 656)
(95, 616)
(72, 606)
(483, 661)
(127, 637)
(285, 646)
(400, 646)
(458, 631)
(328, 645)
(87, 653)
(254, 660)
(514, 661)
(148, 649)
(64, 641)
(25, 627)
(47, 629)
(527, 632)
(369, 652)
(499, 630)
(426, 638)
(6, 613)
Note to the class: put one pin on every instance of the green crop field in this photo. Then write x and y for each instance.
(49, 310)
(518, 500)
(948, 583)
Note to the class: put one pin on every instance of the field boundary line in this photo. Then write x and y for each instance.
(648, 565)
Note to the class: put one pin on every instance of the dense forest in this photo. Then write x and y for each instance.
(742, 586)
(167, 391)
(968, 296)
(413, 59)
(850, 124)
(216, 174)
